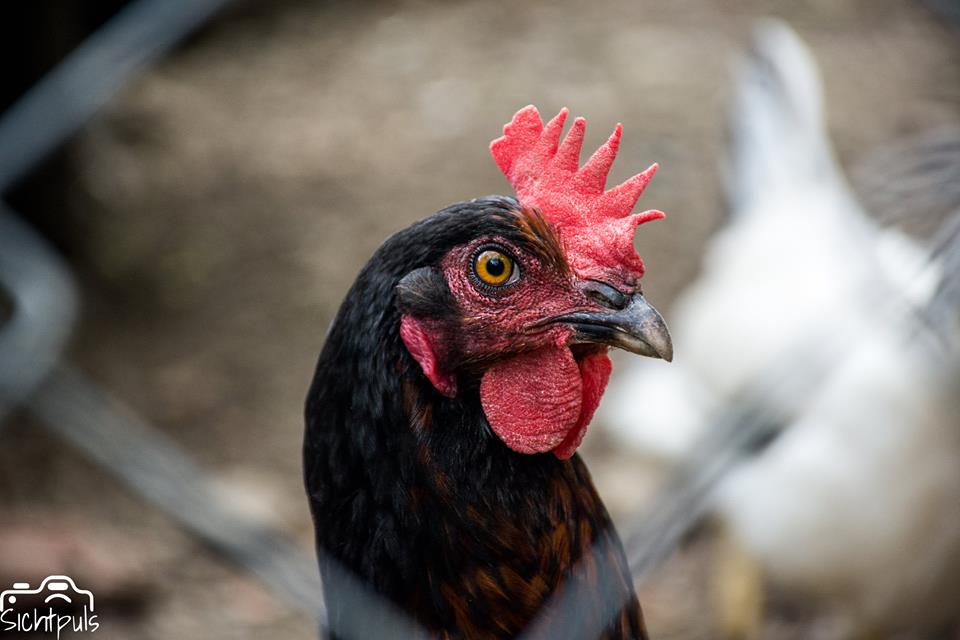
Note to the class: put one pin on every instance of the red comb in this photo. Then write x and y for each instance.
(595, 224)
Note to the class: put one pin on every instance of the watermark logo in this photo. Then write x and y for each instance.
(57, 605)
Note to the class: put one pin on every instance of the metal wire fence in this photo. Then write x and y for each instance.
(41, 300)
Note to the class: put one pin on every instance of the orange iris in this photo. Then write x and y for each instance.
(493, 267)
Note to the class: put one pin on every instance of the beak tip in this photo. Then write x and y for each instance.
(663, 346)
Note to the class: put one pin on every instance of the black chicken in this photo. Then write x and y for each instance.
(454, 387)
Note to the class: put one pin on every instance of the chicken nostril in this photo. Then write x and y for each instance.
(606, 295)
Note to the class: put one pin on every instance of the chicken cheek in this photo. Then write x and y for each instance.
(541, 401)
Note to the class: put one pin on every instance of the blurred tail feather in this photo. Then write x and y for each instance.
(777, 128)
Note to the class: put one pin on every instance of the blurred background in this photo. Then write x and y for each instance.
(214, 212)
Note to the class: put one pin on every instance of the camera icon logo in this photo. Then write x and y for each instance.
(54, 590)
(54, 606)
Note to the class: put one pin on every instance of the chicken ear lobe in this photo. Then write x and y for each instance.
(416, 338)
(424, 299)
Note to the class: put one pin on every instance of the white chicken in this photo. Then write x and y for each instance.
(858, 501)
(791, 263)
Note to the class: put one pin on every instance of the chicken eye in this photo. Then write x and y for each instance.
(495, 268)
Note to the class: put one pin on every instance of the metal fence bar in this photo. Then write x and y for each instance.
(155, 468)
(41, 307)
(74, 90)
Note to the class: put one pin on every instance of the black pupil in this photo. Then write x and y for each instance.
(495, 266)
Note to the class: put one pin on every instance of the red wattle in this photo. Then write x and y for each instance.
(543, 400)
(533, 399)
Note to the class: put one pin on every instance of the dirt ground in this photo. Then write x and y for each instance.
(227, 198)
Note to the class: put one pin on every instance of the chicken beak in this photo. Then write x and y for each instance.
(637, 328)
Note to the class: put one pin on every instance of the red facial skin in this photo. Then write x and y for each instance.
(503, 320)
(537, 395)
